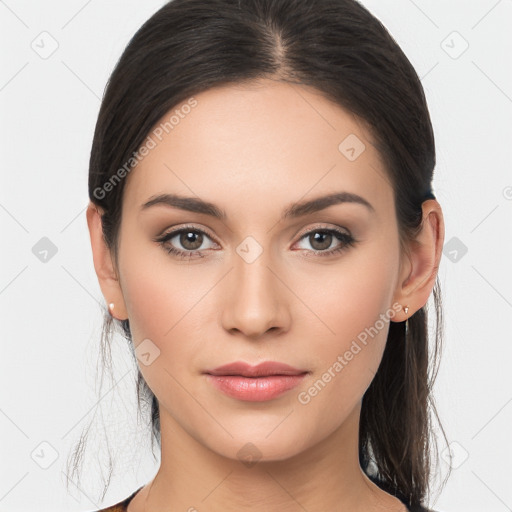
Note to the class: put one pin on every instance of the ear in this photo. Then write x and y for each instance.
(418, 271)
(105, 269)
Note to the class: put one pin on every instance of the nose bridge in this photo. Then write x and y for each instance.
(256, 301)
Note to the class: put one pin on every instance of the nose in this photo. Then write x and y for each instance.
(256, 299)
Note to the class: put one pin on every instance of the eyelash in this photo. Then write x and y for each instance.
(348, 241)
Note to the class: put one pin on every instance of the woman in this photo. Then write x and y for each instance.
(265, 233)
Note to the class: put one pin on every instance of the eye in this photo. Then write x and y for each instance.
(191, 239)
(322, 239)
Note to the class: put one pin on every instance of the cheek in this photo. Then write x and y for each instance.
(151, 305)
(159, 293)
(164, 306)
(354, 308)
(170, 304)
(347, 299)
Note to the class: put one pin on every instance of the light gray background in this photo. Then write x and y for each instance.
(50, 317)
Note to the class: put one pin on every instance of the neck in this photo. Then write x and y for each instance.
(326, 476)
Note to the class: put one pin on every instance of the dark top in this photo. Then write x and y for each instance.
(123, 505)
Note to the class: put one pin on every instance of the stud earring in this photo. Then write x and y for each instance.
(111, 306)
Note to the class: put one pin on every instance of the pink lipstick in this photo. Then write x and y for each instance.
(259, 383)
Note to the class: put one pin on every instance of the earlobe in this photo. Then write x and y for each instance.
(105, 270)
(417, 282)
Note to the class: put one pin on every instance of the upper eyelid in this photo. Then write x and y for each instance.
(300, 233)
(320, 228)
(178, 230)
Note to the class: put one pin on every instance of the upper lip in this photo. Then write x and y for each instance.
(263, 369)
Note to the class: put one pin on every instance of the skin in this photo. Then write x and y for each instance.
(253, 150)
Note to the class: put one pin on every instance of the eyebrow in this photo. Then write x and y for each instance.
(196, 205)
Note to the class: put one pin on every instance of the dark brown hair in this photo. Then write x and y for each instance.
(339, 48)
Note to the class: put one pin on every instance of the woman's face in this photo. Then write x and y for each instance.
(260, 286)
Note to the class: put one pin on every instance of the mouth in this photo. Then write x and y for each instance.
(259, 383)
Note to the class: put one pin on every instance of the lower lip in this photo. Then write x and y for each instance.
(255, 389)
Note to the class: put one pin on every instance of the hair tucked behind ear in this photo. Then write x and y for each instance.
(395, 425)
(342, 50)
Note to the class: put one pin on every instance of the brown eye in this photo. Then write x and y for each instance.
(321, 240)
(191, 240)
(184, 242)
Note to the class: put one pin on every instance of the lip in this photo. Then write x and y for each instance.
(259, 383)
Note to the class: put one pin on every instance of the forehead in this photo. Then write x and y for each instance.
(259, 144)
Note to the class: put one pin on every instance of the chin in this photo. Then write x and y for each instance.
(258, 447)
